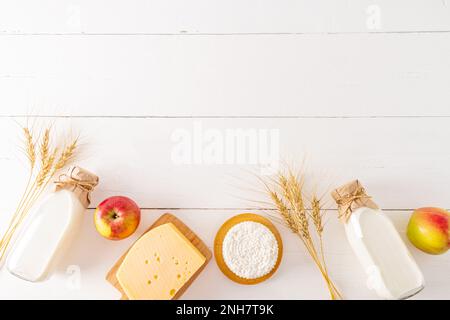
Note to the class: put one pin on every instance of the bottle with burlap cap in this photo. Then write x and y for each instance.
(53, 226)
(391, 270)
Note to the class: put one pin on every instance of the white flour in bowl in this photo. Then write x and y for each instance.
(250, 250)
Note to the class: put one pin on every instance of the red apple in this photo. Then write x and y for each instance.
(428, 230)
(117, 217)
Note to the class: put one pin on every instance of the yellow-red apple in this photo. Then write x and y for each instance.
(116, 218)
(428, 230)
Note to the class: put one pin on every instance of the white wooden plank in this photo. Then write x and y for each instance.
(331, 76)
(222, 17)
(402, 161)
(296, 279)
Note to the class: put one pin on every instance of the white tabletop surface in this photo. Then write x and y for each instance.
(355, 89)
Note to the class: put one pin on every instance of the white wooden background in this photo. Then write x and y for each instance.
(361, 89)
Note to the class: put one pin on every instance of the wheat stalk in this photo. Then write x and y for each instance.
(66, 155)
(29, 147)
(316, 215)
(44, 147)
(31, 155)
(289, 202)
(47, 165)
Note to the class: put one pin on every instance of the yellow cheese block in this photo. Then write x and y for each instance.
(159, 264)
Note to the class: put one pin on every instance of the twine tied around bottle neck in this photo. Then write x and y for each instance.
(79, 181)
(350, 197)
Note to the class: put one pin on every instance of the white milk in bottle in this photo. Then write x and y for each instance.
(52, 226)
(391, 270)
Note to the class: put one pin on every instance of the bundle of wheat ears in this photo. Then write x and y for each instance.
(45, 160)
(287, 194)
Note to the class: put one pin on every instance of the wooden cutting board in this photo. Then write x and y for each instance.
(188, 233)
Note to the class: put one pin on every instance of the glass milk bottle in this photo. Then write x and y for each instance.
(391, 270)
(52, 226)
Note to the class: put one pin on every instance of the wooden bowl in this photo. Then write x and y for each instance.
(220, 236)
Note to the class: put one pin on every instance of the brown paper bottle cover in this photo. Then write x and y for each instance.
(79, 181)
(350, 197)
